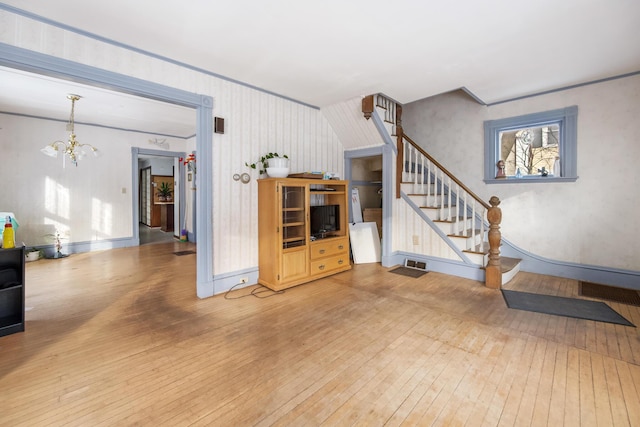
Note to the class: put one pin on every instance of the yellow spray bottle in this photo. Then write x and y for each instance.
(8, 236)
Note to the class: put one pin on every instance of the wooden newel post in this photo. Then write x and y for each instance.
(493, 272)
(367, 106)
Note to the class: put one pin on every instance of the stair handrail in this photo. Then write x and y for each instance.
(443, 169)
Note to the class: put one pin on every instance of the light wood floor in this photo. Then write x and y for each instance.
(119, 338)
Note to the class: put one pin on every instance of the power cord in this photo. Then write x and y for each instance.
(256, 292)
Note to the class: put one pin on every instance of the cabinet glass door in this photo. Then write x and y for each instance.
(293, 216)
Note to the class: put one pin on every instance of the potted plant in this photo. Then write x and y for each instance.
(33, 254)
(57, 242)
(273, 164)
(165, 192)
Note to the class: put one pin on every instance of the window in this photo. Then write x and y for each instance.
(539, 147)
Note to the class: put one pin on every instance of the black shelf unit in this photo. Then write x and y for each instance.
(11, 291)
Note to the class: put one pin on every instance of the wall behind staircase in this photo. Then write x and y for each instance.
(591, 221)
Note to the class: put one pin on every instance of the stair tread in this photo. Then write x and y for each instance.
(466, 234)
(482, 248)
(451, 221)
(413, 182)
(418, 183)
(437, 207)
(507, 264)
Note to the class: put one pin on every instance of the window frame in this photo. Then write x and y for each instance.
(566, 118)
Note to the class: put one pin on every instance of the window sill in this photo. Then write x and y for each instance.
(529, 180)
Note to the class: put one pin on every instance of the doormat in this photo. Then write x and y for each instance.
(406, 271)
(561, 306)
(181, 253)
(611, 293)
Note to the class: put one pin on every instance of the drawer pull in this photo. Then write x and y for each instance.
(321, 251)
(341, 247)
(340, 262)
(321, 267)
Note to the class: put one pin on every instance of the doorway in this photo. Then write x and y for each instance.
(31, 61)
(159, 213)
(158, 200)
(370, 170)
(366, 177)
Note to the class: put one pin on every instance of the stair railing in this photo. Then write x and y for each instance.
(456, 202)
(389, 108)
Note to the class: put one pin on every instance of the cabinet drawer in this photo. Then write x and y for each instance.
(330, 247)
(329, 263)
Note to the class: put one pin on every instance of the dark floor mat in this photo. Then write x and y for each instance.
(411, 272)
(611, 293)
(561, 306)
(181, 253)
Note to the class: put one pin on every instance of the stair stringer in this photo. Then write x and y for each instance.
(383, 130)
(464, 267)
(445, 260)
(436, 229)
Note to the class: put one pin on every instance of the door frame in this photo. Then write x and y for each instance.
(39, 63)
(388, 157)
(178, 175)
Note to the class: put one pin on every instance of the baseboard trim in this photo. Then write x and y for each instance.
(224, 282)
(533, 263)
(439, 265)
(530, 263)
(89, 246)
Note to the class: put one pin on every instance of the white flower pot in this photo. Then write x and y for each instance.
(278, 172)
(32, 256)
(278, 167)
(278, 162)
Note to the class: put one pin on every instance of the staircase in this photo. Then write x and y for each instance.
(451, 209)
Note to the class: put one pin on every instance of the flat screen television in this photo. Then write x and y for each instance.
(324, 219)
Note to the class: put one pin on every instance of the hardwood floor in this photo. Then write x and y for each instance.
(119, 338)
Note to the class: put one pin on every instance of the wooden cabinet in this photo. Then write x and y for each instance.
(157, 204)
(11, 291)
(302, 230)
(329, 255)
(166, 216)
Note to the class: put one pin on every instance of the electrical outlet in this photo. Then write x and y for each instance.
(244, 280)
(416, 240)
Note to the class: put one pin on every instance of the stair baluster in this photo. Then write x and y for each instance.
(464, 214)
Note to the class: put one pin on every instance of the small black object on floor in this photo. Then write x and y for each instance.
(562, 306)
(181, 253)
(407, 271)
(611, 293)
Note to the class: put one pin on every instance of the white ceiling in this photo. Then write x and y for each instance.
(40, 96)
(325, 52)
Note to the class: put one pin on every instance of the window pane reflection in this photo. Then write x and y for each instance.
(531, 151)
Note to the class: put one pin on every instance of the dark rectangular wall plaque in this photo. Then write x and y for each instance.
(218, 125)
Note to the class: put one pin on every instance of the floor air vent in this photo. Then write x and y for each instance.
(418, 265)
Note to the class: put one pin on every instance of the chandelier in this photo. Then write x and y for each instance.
(71, 149)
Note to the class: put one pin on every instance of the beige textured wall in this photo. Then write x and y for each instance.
(592, 221)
